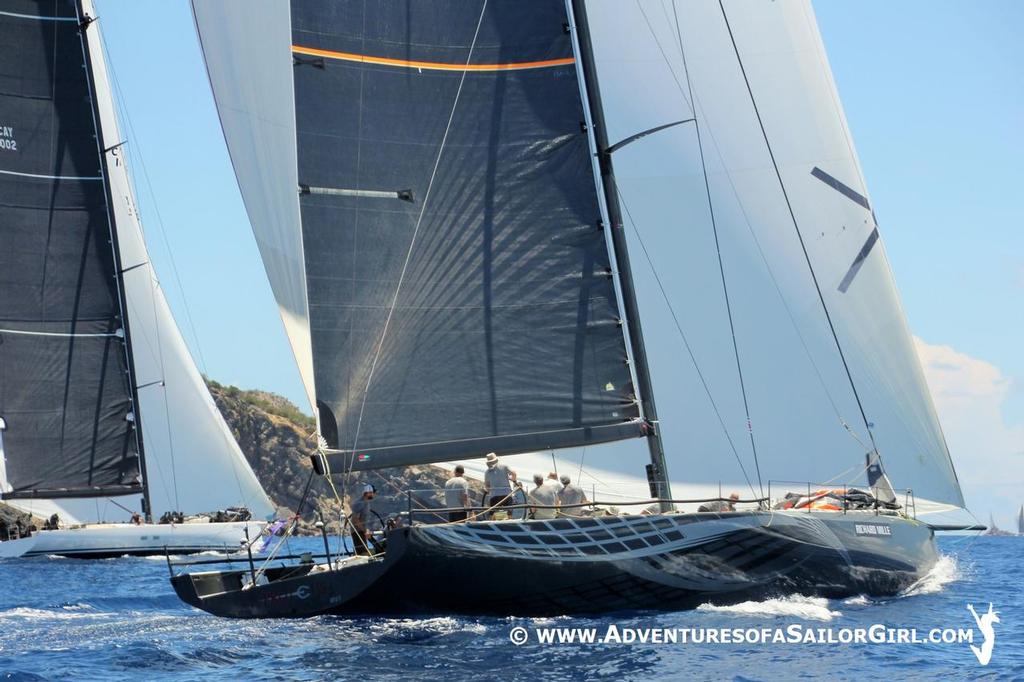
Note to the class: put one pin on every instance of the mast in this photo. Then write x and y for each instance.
(657, 471)
(84, 22)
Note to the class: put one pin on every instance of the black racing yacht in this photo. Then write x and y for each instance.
(446, 196)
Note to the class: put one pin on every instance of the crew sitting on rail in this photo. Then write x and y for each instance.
(545, 496)
(498, 482)
(570, 497)
(456, 496)
(359, 517)
(53, 523)
(721, 505)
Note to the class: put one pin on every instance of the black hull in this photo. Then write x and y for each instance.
(577, 566)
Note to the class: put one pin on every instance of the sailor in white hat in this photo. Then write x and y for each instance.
(498, 482)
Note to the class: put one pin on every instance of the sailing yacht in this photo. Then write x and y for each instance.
(102, 411)
(503, 227)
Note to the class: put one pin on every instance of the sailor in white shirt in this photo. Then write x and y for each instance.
(545, 496)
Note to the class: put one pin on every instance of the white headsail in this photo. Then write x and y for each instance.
(752, 80)
(193, 462)
(247, 46)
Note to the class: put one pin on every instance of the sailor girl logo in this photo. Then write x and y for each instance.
(986, 622)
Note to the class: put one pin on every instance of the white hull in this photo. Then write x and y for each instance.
(119, 539)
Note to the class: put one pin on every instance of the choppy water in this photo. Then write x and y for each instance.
(119, 619)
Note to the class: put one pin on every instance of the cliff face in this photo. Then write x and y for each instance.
(277, 439)
(9, 516)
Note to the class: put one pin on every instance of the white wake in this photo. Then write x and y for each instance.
(798, 606)
(26, 613)
(441, 625)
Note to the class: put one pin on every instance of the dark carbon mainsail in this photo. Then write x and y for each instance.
(465, 221)
(65, 392)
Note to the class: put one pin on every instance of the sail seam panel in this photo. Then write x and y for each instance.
(430, 66)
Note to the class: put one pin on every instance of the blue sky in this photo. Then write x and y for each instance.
(934, 95)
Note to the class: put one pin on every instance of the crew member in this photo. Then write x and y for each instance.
(360, 520)
(721, 505)
(456, 495)
(570, 497)
(498, 482)
(545, 497)
(554, 482)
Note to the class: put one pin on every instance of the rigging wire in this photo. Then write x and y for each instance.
(718, 249)
(796, 226)
(686, 343)
(412, 241)
(122, 297)
(789, 312)
(135, 150)
(132, 149)
(823, 64)
(696, 107)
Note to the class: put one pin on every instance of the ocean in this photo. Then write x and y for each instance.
(118, 619)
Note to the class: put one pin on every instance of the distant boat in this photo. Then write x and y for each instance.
(993, 529)
(438, 193)
(1020, 521)
(99, 397)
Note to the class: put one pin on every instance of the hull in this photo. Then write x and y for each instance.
(103, 541)
(593, 565)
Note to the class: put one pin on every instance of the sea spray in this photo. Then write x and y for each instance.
(799, 606)
(945, 571)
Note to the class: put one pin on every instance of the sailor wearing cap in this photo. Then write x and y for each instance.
(498, 482)
(545, 498)
(571, 495)
(360, 520)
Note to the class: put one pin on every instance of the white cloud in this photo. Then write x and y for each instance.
(988, 450)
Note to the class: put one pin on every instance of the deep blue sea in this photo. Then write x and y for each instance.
(118, 619)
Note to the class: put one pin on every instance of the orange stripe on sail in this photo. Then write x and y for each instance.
(431, 66)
